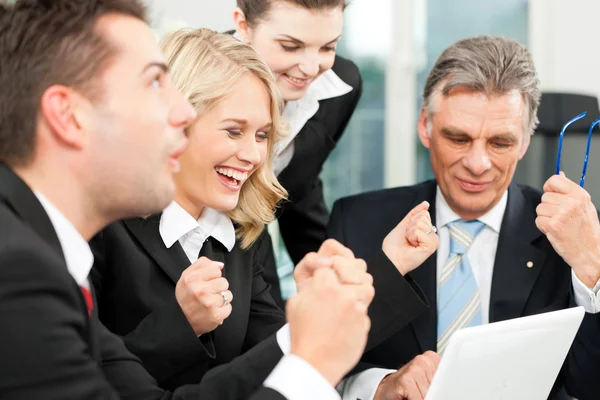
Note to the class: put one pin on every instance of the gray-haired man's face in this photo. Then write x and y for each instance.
(475, 143)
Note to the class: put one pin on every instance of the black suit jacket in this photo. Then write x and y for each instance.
(361, 222)
(135, 277)
(50, 348)
(303, 219)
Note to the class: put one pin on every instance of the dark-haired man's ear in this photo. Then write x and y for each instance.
(241, 25)
(64, 113)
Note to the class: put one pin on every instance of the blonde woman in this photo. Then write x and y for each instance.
(165, 282)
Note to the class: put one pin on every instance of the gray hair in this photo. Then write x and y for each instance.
(489, 65)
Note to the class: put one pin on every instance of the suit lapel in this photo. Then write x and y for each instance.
(21, 199)
(173, 260)
(425, 326)
(512, 280)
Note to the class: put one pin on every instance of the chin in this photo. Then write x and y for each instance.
(225, 205)
(289, 94)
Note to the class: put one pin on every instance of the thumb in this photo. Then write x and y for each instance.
(424, 206)
(421, 207)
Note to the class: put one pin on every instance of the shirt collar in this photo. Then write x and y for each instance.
(175, 223)
(77, 252)
(445, 215)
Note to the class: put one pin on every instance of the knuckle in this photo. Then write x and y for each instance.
(329, 243)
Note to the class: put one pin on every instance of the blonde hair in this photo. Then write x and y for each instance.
(206, 67)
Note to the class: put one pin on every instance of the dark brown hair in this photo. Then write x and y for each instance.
(256, 10)
(45, 43)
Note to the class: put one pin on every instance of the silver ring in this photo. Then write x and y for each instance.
(224, 295)
(432, 230)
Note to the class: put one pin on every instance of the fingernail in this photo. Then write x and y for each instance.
(219, 264)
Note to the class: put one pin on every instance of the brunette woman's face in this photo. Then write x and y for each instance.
(297, 43)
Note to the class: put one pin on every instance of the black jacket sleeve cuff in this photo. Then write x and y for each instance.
(398, 300)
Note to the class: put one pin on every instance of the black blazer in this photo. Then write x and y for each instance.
(50, 347)
(303, 219)
(135, 277)
(361, 223)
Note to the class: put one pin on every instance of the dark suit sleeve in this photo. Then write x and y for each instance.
(580, 370)
(164, 340)
(43, 353)
(398, 299)
(166, 343)
(303, 221)
(265, 317)
(267, 394)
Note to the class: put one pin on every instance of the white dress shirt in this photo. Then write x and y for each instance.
(482, 254)
(292, 377)
(77, 252)
(177, 225)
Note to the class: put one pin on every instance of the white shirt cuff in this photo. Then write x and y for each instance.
(586, 297)
(363, 385)
(296, 379)
(284, 339)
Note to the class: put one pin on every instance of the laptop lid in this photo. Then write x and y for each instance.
(507, 360)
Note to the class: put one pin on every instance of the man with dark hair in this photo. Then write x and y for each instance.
(91, 130)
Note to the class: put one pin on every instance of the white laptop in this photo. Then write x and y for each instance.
(509, 360)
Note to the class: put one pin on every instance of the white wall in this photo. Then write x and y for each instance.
(564, 37)
(169, 15)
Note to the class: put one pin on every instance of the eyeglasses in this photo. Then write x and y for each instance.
(587, 149)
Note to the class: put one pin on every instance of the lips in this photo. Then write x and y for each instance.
(473, 186)
(296, 82)
(173, 157)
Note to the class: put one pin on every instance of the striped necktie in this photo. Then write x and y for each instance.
(459, 305)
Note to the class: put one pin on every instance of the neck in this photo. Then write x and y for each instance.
(191, 207)
(67, 195)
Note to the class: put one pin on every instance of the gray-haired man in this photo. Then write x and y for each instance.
(493, 263)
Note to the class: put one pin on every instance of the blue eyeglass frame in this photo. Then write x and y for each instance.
(587, 149)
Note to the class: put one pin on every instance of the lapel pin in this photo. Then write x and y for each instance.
(529, 264)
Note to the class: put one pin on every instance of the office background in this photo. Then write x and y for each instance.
(395, 43)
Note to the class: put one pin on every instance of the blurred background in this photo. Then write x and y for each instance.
(396, 42)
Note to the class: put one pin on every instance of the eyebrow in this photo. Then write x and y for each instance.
(457, 133)
(242, 121)
(453, 132)
(156, 64)
(300, 42)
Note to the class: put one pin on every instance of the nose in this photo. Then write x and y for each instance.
(249, 151)
(182, 113)
(309, 65)
(477, 160)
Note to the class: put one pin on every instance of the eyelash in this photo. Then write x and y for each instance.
(233, 133)
(289, 48)
(459, 141)
(259, 135)
(294, 48)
